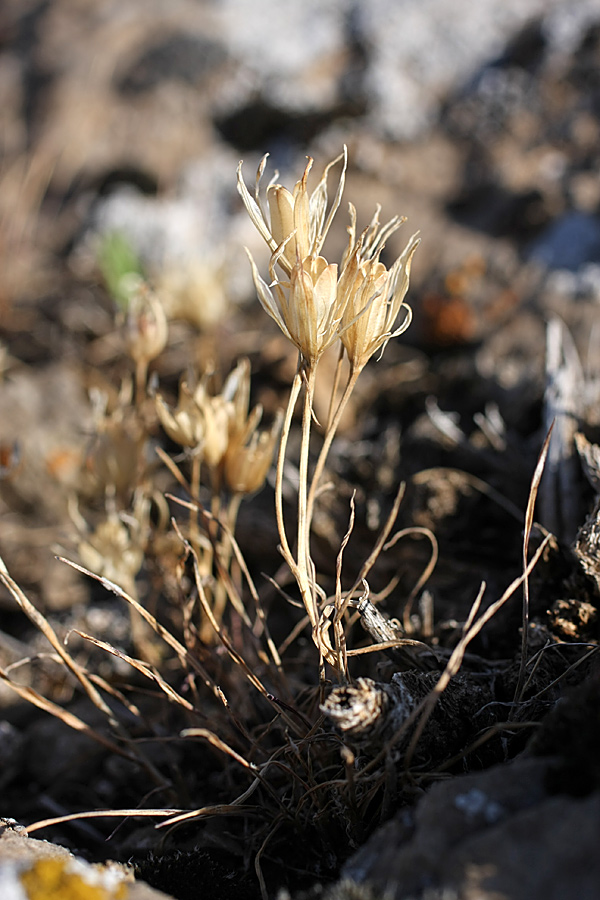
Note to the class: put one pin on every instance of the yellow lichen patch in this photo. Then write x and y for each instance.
(57, 879)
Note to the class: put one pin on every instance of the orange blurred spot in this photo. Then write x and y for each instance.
(10, 459)
(448, 320)
(64, 464)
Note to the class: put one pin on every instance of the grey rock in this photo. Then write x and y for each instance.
(485, 835)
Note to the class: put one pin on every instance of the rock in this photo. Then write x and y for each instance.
(569, 242)
(38, 870)
(490, 834)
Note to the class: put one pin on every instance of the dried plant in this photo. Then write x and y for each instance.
(200, 635)
(317, 304)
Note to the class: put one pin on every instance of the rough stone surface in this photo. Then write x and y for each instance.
(20, 854)
(487, 835)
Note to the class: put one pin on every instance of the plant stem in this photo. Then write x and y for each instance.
(141, 377)
(327, 441)
(303, 524)
(302, 569)
(195, 493)
(285, 432)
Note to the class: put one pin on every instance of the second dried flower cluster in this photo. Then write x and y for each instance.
(222, 430)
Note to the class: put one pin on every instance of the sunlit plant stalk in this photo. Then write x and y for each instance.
(316, 304)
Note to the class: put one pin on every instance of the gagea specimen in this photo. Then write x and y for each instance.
(357, 303)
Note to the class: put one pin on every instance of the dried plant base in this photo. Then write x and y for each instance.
(370, 713)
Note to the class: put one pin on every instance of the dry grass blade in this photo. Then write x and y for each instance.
(425, 574)
(73, 721)
(391, 645)
(233, 808)
(568, 671)
(257, 866)
(112, 691)
(533, 492)
(220, 809)
(146, 670)
(340, 606)
(483, 738)
(173, 469)
(101, 814)
(220, 744)
(42, 624)
(182, 652)
(383, 536)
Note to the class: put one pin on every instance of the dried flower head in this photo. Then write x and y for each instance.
(115, 549)
(183, 423)
(304, 302)
(374, 295)
(115, 458)
(211, 423)
(308, 307)
(200, 420)
(249, 452)
(298, 222)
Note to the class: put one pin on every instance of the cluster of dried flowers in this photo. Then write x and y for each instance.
(317, 304)
(219, 435)
(222, 430)
(314, 302)
(357, 304)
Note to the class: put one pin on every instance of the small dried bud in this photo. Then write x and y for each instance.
(146, 328)
(117, 451)
(195, 291)
(216, 413)
(299, 223)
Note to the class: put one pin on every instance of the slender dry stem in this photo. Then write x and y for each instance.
(535, 484)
